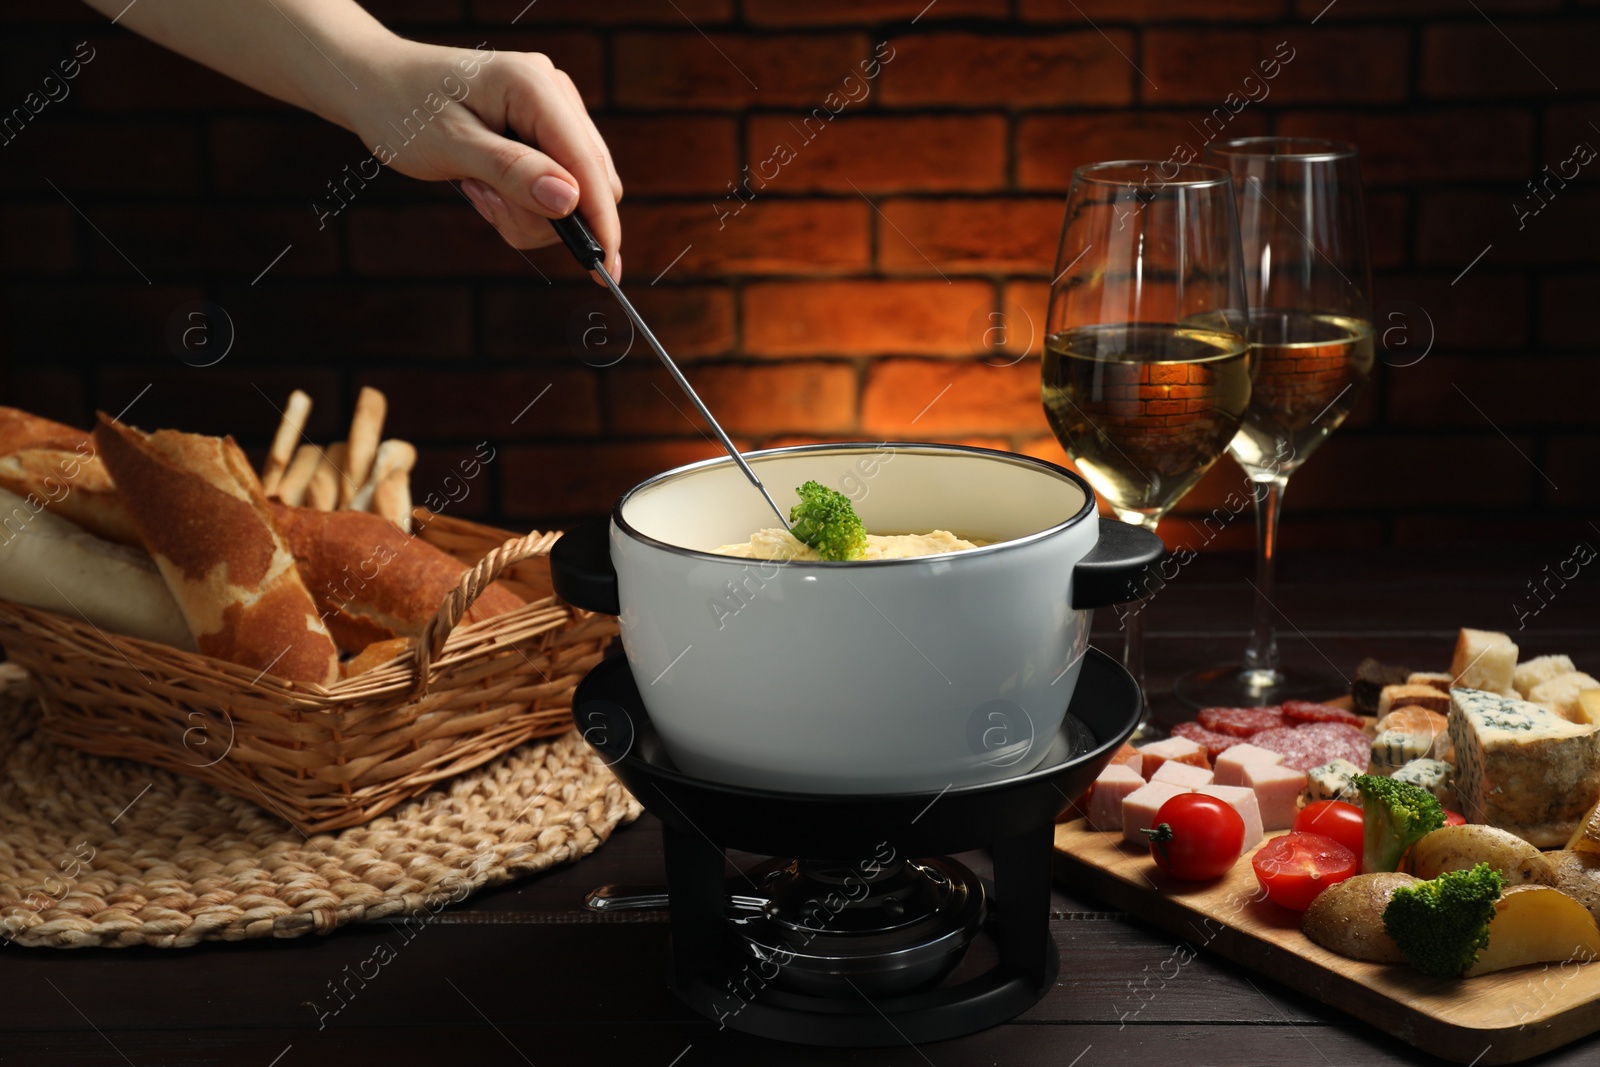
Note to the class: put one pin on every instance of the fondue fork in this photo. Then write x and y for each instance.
(590, 256)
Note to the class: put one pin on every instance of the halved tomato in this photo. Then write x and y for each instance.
(1296, 867)
(1343, 822)
(1454, 818)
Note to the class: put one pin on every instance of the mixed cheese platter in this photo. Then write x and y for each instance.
(1424, 854)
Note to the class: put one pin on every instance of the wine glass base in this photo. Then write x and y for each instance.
(1232, 686)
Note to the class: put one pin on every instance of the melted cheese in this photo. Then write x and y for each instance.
(780, 544)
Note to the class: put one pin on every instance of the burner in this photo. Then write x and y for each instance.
(857, 940)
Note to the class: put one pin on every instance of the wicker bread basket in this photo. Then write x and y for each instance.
(328, 758)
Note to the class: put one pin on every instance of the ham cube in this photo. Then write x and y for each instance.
(1231, 764)
(1176, 749)
(1277, 790)
(1105, 802)
(1140, 806)
(1130, 757)
(1242, 800)
(1183, 774)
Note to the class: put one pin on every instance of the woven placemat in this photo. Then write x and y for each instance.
(110, 853)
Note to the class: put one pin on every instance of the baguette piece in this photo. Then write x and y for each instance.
(74, 484)
(20, 429)
(370, 581)
(201, 514)
(47, 562)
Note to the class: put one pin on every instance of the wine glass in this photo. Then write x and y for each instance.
(1311, 340)
(1146, 369)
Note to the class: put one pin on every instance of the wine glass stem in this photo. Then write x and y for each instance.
(1261, 658)
(1131, 619)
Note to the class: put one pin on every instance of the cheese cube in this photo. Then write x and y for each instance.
(1332, 781)
(1434, 775)
(1413, 696)
(1484, 660)
(1521, 767)
(1539, 669)
(1230, 766)
(1105, 802)
(1177, 749)
(1242, 800)
(1439, 680)
(1393, 749)
(1140, 806)
(1277, 789)
(1560, 694)
(1183, 774)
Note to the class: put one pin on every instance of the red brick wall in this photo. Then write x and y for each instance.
(848, 297)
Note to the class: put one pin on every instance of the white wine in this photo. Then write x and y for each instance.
(1309, 370)
(1144, 409)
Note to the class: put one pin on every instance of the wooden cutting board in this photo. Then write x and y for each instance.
(1498, 1018)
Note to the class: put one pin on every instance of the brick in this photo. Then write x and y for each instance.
(730, 236)
(210, 240)
(1278, 66)
(876, 153)
(861, 317)
(610, 13)
(916, 398)
(854, 13)
(673, 154)
(434, 240)
(1355, 472)
(1460, 144)
(342, 319)
(1566, 310)
(37, 239)
(1543, 392)
(1565, 126)
(151, 157)
(724, 71)
(1049, 147)
(1025, 305)
(1485, 309)
(967, 70)
(43, 323)
(295, 156)
(243, 401)
(459, 479)
(748, 400)
(1495, 532)
(1143, 11)
(540, 481)
(51, 392)
(1475, 59)
(1453, 227)
(1570, 463)
(129, 73)
(1012, 234)
(693, 322)
(1351, 9)
(1387, 229)
(473, 405)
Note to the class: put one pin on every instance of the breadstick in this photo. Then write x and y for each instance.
(292, 486)
(323, 492)
(391, 498)
(393, 457)
(366, 429)
(293, 425)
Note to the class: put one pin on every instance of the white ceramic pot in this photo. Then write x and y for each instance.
(859, 677)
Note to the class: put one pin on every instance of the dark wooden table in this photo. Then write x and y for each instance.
(524, 975)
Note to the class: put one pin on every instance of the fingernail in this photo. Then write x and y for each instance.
(618, 275)
(556, 195)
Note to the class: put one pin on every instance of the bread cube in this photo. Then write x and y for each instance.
(1484, 660)
(1538, 670)
(1560, 694)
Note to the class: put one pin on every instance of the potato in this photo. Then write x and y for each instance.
(1347, 917)
(1586, 838)
(1577, 874)
(1460, 848)
(1537, 924)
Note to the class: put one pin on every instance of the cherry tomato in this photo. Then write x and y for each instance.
(1196, 837)
(1333, 818)
(1454, 818)
(1294, 868)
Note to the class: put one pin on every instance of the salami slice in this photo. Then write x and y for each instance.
(1306, 711)
(1216, 744)
(1347, 741)
(1240, 722)
(1313, 744)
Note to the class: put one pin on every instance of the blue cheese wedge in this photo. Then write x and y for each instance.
(1393, 749)
(1521, 767)
(1434, 775)
(1332, 781)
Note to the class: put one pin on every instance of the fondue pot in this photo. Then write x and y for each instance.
(883, 676)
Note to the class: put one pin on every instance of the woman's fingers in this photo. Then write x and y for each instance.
(516, 187)
(571, 90)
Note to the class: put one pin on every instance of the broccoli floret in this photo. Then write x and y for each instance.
(825, 520)
(1397, 815)
(1442, 925)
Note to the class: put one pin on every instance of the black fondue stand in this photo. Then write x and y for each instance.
(850, 942)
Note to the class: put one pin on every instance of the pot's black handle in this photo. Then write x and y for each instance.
(1120, 568)
(581, 570)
